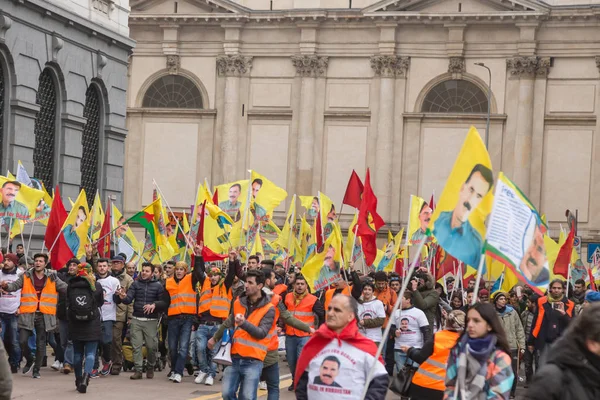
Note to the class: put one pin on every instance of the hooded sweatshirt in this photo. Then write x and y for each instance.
(426, 298)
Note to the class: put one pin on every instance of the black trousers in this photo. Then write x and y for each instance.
(40, 342)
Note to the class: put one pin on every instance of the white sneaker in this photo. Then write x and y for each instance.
(209, 381)
(262, 385)
(62, 367)
(176, 378)
(200, 378)
(56, 365)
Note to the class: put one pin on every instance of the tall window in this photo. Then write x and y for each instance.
(172, 91)
(455, 96)
(45, 126)
(1, 109)
(89, 142)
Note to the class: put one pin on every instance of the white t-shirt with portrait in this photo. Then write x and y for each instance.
(110, 284)
(410, 322)
(370, 310)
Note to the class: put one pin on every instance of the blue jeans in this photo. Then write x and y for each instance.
(9, 324)
(244, 372)
(293, 348)
(66, 344)
(178, 334)
(81, 349)
(270, 375)
(205, 356)
(402, 359)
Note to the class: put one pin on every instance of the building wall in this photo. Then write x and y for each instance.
(83, 47)
(307, 127)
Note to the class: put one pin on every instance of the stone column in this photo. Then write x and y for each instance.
(232, 67)
(523, 68)
(308, 67)
(387, 67)
(537, 138)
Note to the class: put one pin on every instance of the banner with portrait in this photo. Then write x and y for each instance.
(77, 226)
(17, 201)
(232, 198)
(419, 217)
(458, 221)
(515, 235)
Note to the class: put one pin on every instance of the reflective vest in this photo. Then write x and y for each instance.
(29, 299)
(280, 289)
(329, 296)
(432, 372)
(217, 299)
(542, 312)
(243, 344)
(183, 296)
(303, 311)
(274, 339)
(388, 297)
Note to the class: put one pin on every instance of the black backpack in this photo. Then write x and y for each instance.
(82, 306)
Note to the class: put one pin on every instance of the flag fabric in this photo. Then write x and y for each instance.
(232, 198)
(390, 254)
(97, 218)
(368, 222)
(148, 218)
(323, 267)
(181, 234)
(18, 201)
(266, 195)
(286, 237)
(215, 198)
(104, 236)
(419, 217)
(124, 240)
(257, 246)
(352, 247)
(219, 215)
(458, 220)
(515, 235)
(60, 253)
(311, 203)
(354, 191)
(327, 214)
(563, 259)
(431, 203)
(44, 207)
(22, 175)
(207, 234)
(77, 225)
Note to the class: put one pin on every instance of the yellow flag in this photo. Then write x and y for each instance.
(322, 269)
(458, 220)
(219, 215)
(126, 242)
(17, 228)
(285, 238)
(257, 247)
(265, 195)
(352, 246)
(18, 201)
(184, 223)
(232, 198)
(311, 203)
(42, 211)
(97, 218)
(201, 196)
(76, 226)
(418, 220)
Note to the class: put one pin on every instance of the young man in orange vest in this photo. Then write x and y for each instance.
(306, 308)
(180, 297)
(341, 287)
(39, 297)
(215, 302)
(254, 318)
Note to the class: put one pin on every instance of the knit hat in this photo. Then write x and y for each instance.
(498, 296)
(592, 297)
(484, 292)
(85, 271)
(182, 264)
(456, 320)
(214, 271)
(12, 257)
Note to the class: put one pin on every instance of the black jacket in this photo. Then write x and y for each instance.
(552, 325)
(86, 331)
(61, 307)
(571, 372)
(144, 292)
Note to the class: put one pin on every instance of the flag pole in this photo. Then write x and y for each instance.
(194, 215)
(568, 280)
(386, 332)
(246, 216)
(9, 231)
(29, 241)
(167, 203)
(478, 276)
(291, 231)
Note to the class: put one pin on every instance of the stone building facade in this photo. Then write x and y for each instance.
(63, 82)
(304, 91)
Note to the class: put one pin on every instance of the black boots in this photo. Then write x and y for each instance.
(77, 382)
(83, 384)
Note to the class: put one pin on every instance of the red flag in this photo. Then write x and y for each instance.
(60, 253)
(104, 242)
(207, 253)
(354, 191)
(200, 236)
(431, 204)
(445, 263)
(561, 266)
(368, 222)
(592, 281)
(318, 231)
(215, 198)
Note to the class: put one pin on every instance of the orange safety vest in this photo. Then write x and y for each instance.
(541, 312)
(274, 339)
(329, 295)
(243, 344)
(217, 299)
(29, 299)
(302, 311)
(183, 296)
(280, 289)
(388, 297)
(432, 372)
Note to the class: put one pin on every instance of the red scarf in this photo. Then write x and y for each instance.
(323, 336)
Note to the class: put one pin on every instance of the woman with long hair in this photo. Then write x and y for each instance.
(479, 366)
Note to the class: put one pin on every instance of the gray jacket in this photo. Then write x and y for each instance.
(6, 383)
(513, 327)
(26, 321)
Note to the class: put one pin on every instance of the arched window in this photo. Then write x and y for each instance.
(45, 126)
(172, 91)
(2, 94)
(89, 143)
(455, 96)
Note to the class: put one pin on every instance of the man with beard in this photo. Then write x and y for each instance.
(424, 218)
(453, 230)
(425, 297)
(9, 305)
(124, 314)
(10, 207)
(232, 206)
(578, 296)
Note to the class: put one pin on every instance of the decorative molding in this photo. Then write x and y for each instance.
(456, 65)
(528, 67)
(57, 45)
(233, 65)
(598, 62)
(173, 63)
(5, 24)
(310, 65)
(101, 63)
(388, 66)
(543, 67)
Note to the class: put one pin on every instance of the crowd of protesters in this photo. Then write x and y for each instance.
(102, 317)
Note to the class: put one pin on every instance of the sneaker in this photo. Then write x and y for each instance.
(209, 381)
(27, 367)
(171, 375)
(262, 385)
(115, 370)
(14, 369)
(95, 374)
(56, 365)
(106, 368)
(176, 378)
(136, 375)
(150, 373)
(291, 388)
(67, 369)
(200, 378)
(36, 375)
